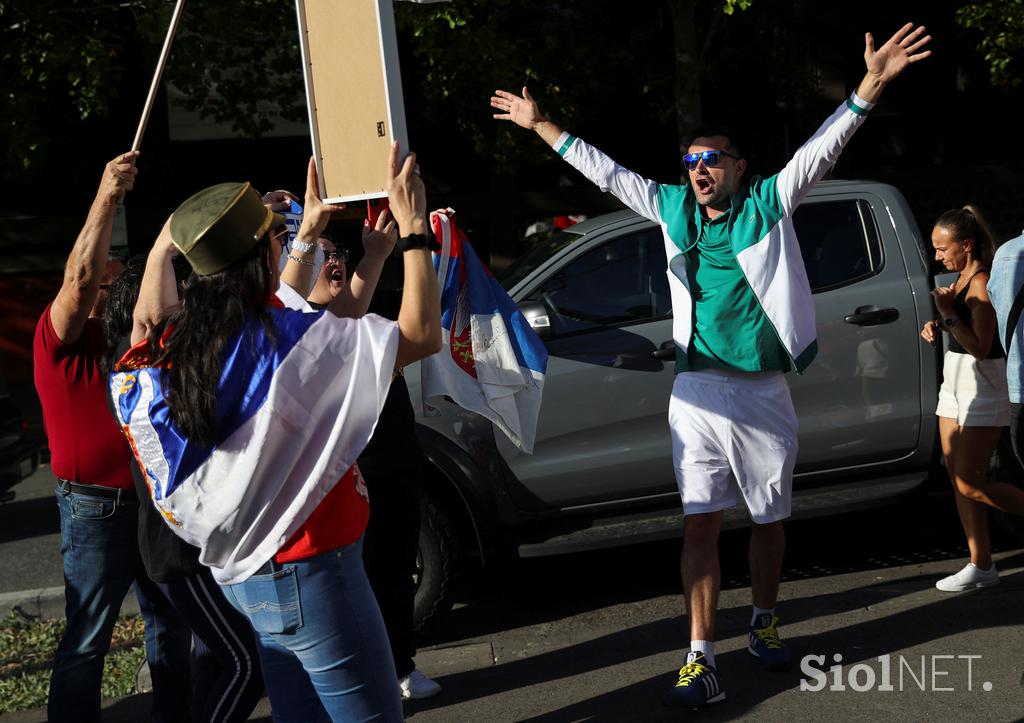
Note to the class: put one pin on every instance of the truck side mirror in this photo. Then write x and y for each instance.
(536, 315)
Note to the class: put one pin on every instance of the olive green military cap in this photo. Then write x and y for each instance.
(217, 226)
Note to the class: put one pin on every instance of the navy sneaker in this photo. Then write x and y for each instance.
(765, 645)
(697, 686)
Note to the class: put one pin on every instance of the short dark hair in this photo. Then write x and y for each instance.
(118, 312)
(733, 146)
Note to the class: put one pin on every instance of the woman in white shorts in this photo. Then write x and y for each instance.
(973, 402)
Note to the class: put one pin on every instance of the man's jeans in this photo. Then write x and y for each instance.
(100, 546)
(323, 646)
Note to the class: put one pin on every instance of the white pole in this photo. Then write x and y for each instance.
(159, 73)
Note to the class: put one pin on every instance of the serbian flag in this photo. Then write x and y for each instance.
(294, 411)
(491, 361)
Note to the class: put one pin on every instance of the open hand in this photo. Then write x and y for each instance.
(280, 200)
(379, 241)
(521, 110)
(316, 214)
(407, 198)
(899, 51)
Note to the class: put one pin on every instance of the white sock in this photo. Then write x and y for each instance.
(761, 611)
(707, 647)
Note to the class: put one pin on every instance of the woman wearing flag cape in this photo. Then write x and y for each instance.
(247, 418)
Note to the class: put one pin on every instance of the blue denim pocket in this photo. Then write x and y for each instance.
(92, 508)
(271, 602)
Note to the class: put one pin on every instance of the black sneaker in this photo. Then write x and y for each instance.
(765, 645)
(697, 686)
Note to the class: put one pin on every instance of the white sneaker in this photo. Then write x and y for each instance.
(969, 578)
(416, 685)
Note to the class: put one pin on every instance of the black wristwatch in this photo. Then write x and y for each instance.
(950, 321)
(418, 241)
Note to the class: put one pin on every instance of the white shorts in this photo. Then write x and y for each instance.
(734, 431)
(974, 393)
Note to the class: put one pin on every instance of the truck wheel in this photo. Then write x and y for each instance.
(436, 564)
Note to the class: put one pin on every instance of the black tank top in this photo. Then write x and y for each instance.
(963, 315)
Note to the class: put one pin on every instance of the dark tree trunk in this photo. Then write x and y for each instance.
(687, 71)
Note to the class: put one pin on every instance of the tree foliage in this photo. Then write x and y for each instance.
(236, 62)
(1000, 23)
(637, 66)
(459, 52)
(68, 61)
(58, 58)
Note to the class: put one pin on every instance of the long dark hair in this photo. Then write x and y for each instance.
(969, 223)
(214, 310)
(120, 307)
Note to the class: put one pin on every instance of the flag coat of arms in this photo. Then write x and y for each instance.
(491, 361)
(293, 415)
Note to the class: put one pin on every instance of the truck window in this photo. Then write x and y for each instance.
(620, 282)
(839, 242)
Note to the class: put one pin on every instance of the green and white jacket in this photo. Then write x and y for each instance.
(760, 227)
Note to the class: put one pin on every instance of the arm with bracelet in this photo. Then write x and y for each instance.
(419, 318)
(298, 271)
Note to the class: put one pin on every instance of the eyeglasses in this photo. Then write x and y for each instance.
(711, 158)
(338, 256)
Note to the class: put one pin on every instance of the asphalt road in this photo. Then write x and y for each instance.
(600, 635)
(30, 535)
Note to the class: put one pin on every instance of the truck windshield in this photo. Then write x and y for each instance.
(537, 255)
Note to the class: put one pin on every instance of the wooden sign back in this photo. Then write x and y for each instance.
(353, 92)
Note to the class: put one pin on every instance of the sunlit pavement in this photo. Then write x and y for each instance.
(600, 635)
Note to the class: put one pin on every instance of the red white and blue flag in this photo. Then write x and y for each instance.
(491, 361)
(293, 414)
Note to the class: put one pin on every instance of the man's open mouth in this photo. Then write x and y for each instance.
(704, 184)
(337, 275)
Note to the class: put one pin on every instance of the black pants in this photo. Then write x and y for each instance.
(1017, 431)
(227, 679)
(391, 466)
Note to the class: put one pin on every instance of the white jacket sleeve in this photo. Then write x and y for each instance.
(637, 192)
(813, 159)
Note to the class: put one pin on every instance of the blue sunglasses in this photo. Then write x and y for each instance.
(710, 158)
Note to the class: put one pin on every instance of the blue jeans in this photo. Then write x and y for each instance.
(100, 547)
(323, 646)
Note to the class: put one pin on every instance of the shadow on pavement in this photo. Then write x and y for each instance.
(23, 519)
(746, 685)
(516, 593)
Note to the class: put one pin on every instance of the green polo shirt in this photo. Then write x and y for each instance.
(730, 331)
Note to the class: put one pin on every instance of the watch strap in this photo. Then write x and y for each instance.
(418, 241)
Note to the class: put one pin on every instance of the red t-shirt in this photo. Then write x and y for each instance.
(338, 520)
(86, 444)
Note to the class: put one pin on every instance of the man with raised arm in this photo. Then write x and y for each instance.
(97, 502)
(743, 315)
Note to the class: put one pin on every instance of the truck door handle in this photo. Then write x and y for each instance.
(872, 316)
(666, 352)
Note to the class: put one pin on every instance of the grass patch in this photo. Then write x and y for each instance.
(27, 646)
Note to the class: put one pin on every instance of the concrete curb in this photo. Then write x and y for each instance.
(48, 603)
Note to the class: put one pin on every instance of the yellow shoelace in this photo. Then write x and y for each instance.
(689, 672)
(769, 635)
